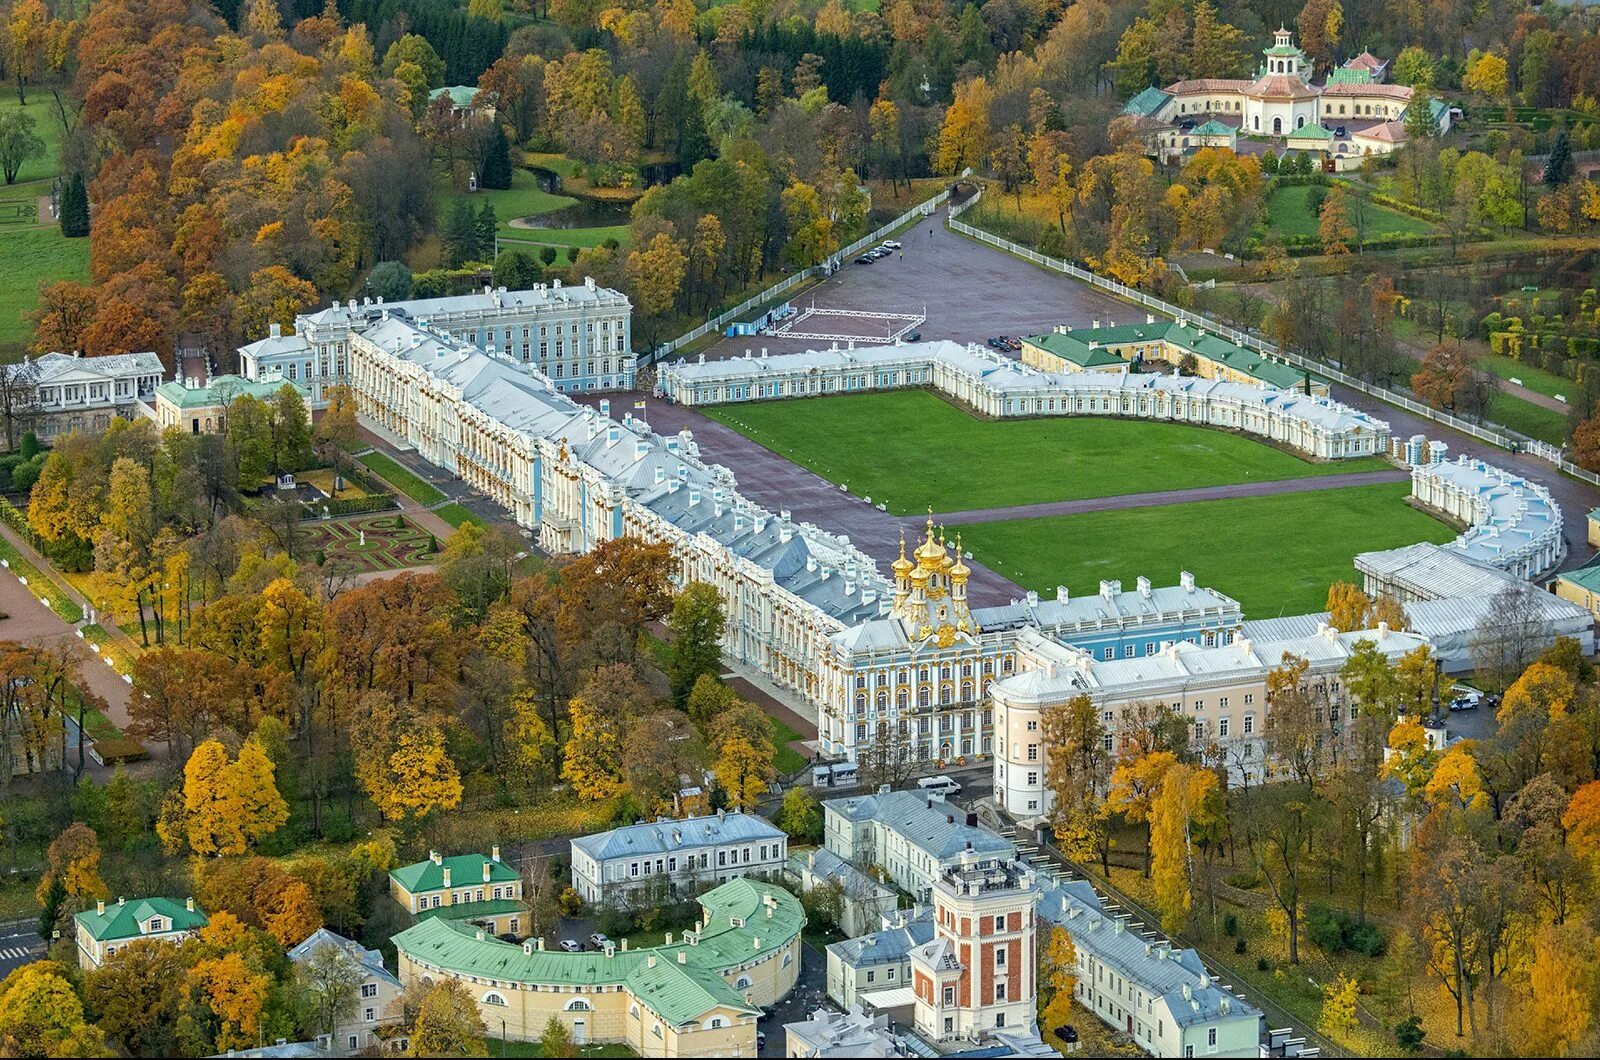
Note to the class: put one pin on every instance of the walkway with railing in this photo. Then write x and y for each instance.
(1484, 432)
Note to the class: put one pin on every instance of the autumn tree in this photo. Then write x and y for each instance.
(695, 632)
(447, 1022)
(1183, 797)
(41, 1014)
(1334, 230)
(227, 805)
(416, 778)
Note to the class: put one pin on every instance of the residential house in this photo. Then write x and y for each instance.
(676, 857)
(104, 930)
(357, 1029)
(468, 887)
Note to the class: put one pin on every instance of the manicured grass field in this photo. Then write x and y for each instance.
(524, 198)
(401, 478)
(1276, 555)
(1522, 415)
(910, 449)
(787, 759)
(456, 515)
(1288, 214)
(1531, 376)
(33, 256)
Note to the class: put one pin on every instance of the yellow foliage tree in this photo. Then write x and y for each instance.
(417, 778)
(1058, 958)
(1182, 794)
(744, 769)
(1555, 1006)
(1339, 1000)
(1133, 787)
(1348, 607)
(593, 764)
(1542, 686)
(235, 994)
(1456, 781)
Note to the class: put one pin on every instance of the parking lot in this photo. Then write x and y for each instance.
(969, 291)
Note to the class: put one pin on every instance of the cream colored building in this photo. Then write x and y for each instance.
(359, 1026)
(1220, 692)
(696, 995)
(102, 931)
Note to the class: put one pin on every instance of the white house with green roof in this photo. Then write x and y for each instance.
(694, 994)
(107, 928)
(201, 408)
(481, 890)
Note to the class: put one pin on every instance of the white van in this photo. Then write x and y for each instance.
(941, 786)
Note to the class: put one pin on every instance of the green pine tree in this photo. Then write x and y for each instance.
(497, 163)
(75, 208)
(460, 235)
(485, 227)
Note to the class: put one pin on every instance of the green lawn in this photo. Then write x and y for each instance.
(498, 1048)
(456, 515)
(1524, 416)
(33, 256)
(910, 450)
(46, 126)
(525, 238)
(1531, 376)
(1276, 555)
(401, 478)
(1288, 214)
(523, 199)
(788, 759)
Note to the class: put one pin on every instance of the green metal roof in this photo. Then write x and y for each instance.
(460, 95)
(1350, 75)
(1584, 577)
(222, 389)
(1313, 131)
(722, 946)
(683, 993)
(1069, 347)
(1213, 127)
(474, 910)
(122, 920)
(466, 870)
(1201, 343)
(1146, 102)
(1594, 514)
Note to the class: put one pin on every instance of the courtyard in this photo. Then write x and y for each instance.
(911, 450)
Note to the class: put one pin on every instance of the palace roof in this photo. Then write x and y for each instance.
(1279, 86)
(936, 829)
(52, 366)
(1366, 91)
(1147, 102)
(1213, 127)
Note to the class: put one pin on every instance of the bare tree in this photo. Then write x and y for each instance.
(1509, 638)
(541, 893)
(19, 400)
(889, 758)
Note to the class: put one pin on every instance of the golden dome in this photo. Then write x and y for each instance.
(960, 570)
(902, 566)
(930, 554)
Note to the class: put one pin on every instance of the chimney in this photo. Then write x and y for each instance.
(1144, 587)
(494, 853)
(188, 904)
(641, 449)
(487, 868)
(683, 956)
(785, 527)
(1062, 596)
(605, 406)
(275, 330)
(1186, 581)
(100, 907)
(447, 876)
(650, 961)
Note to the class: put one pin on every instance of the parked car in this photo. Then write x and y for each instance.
(571, 946)
(1465, 698)
(761, 1039)
(865, 259)
(940, 785)
(998, 344)
(599, 939)
(915, 336)
(1340, 132)
(890, 244)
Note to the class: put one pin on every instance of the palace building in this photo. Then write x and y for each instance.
(1349, 116)
(578, 337)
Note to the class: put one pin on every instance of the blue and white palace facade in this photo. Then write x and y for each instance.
(899, 665)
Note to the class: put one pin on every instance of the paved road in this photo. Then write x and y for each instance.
(970, 292)
(31, 622)
(1164, 497)
(19, 944)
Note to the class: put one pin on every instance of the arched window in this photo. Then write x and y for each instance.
(883, 699)
(714, 1023)
(492, 998)
(1277, 126)
(901, 698)
(577, 1004)
(861, 701)
(742, 983)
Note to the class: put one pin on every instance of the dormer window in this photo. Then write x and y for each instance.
(157, 924)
